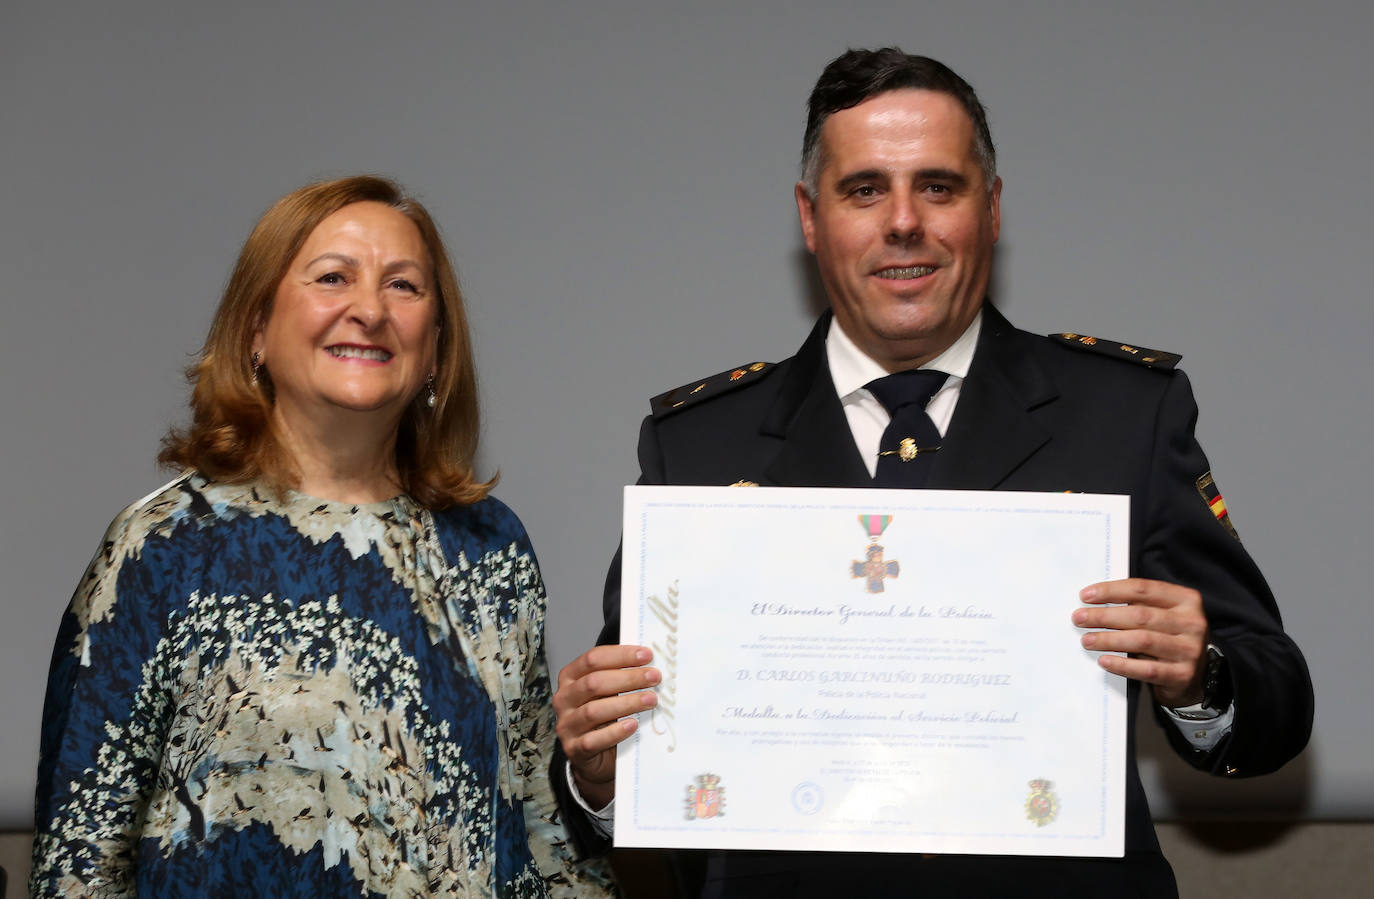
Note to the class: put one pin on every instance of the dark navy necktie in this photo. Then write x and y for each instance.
(906, 450)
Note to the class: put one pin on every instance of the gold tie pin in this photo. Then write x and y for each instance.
(907, 450)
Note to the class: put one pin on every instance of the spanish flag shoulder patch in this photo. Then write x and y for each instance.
(1211, 495)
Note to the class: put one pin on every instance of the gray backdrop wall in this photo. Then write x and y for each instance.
(615, 180)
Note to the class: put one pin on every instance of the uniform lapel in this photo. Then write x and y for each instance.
(817, 449)
(993, 430)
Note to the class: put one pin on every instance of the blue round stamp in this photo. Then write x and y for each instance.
(807, 798)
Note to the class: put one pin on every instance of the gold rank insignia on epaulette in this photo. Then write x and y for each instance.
(1139, 354)
(696, 391)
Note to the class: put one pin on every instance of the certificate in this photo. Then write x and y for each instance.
(872, 670)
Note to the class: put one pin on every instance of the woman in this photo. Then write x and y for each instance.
(313, 664)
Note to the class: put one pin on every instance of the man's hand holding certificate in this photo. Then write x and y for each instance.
(892, 671)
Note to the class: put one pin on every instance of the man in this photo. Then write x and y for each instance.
(900, 204)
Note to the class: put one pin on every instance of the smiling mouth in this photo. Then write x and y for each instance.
(906, 272)
(357, 352)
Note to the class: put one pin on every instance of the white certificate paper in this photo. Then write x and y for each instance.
(872, 670)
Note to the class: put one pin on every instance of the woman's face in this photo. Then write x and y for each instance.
(352, 334)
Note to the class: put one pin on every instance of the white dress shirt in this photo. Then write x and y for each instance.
(851, 369)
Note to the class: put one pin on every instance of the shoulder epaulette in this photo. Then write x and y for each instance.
(1141, 355)
(695, 391)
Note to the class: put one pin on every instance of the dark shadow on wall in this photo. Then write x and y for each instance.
(812, 292)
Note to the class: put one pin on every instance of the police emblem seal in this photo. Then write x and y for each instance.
(1042, 805)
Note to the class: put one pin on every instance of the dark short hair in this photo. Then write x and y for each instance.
(856, 75)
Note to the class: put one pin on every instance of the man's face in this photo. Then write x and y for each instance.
(902, 224)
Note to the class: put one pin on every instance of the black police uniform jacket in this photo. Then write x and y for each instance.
(1035, 414)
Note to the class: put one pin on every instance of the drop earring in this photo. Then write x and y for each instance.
(257, 367)
(429, 392)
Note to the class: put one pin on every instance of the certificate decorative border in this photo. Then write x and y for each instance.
(1046, 801)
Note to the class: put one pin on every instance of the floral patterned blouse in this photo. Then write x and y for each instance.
(259, 693)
